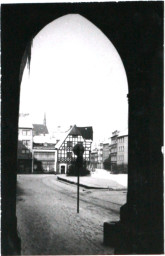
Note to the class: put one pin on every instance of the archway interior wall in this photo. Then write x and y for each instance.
(136, 51)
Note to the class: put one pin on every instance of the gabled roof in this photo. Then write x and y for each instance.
(86, 132)
(75, 131)
(63, 137)
(40, 129)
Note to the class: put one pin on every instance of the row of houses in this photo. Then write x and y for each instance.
(113, 154)
(40, 153)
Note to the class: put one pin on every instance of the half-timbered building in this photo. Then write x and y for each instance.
(64, 148)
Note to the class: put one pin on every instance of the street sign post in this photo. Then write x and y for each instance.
(78, 150)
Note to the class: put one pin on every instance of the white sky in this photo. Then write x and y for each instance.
(76, 77)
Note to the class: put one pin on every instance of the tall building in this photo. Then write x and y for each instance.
(122, 149)
(119, 151)
(106, 150)
(114, 149)
(100, 156)
(94, 159)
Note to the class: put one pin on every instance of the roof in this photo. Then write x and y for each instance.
(40, 129)
(86, 132)
(115, 133)
(63, 137)
(75, 131)
(123, 133)
(41, 139)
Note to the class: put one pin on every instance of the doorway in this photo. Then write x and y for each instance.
(62, 169)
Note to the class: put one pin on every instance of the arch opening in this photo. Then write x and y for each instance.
(77, 81)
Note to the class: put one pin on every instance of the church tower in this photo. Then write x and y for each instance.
(44, 122)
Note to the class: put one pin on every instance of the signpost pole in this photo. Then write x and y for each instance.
(78, 150)
(78, 187)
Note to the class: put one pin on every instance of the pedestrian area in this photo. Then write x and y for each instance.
(48, 222)
(101, 179)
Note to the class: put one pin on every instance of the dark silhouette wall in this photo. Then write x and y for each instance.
(136, 30)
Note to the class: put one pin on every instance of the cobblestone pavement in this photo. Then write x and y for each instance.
(48, 222)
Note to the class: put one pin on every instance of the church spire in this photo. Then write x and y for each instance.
(44, 119)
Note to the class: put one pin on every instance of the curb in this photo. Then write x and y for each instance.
(88, 186)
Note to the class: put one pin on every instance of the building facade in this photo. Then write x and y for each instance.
(43, 155)
(36, 153)
(94, 159)
(100, 156)
(64, 148)
(25, 146)
(106, 151)
(106, 156)
(113, 154)
(122, 149)
(119, 151)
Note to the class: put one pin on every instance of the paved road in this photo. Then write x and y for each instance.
(48, 222)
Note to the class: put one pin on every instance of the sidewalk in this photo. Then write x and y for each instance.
(93, 182)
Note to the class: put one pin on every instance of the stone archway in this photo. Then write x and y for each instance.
(140, 43)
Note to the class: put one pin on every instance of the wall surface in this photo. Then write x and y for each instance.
(136, 30)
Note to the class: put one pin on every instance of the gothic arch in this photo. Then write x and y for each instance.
(136, 30)
(74, 46)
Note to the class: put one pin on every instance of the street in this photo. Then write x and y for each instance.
(48, 222)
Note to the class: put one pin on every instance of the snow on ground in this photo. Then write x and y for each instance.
(48, 222)
(103, 174)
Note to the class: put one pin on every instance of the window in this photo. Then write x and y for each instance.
(25, 151)
(69, 143)
(74, 136)
(26, 132)
(69, 154)
(44, 155)
(62, 153)
(26, 142)
(121, 158)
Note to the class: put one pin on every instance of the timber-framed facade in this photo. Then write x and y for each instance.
(64, 148)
